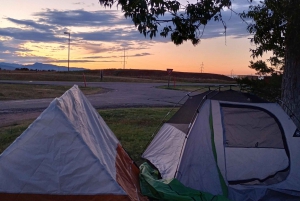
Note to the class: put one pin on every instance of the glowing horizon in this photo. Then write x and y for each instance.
(99, 36)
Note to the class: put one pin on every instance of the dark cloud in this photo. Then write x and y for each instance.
(29, 35)
(104, 26)
(32, 24)
(94, 48)
(71, 61)
(80, 61)
(16, 58)
(110, 35)
(107, 57)
(52, 23)
(100, 57)
(140, 55)
(5, 48)
(82, 18)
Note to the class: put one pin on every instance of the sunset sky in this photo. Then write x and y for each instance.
(33, 31)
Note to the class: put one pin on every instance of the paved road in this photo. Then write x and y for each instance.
(118, 95)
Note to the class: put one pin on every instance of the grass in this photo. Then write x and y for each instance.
(9, 133)
(67, 76)
(114, 75)
(132, 126)
(28, 91)
(198, 88)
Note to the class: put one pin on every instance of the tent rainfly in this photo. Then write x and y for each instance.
(68, 153)
(230, 143)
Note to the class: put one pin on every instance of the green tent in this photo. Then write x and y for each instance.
(172, 189)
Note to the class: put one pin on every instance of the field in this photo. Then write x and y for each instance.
(197, 88)
(67, 76)
(26, 91)
(115, 75)
(19, 92)
(134, 128)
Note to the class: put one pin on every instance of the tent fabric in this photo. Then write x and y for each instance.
(218, 137)
(165, 156)
(197, 168)
(288, 179)
(238, 161)
(250, 127)
(262, 194)
(183, 127)
(67, 151)
(186, 112)
(172, 189)
(48, 197)
(128, 175)
(235, 96)
(257, 155)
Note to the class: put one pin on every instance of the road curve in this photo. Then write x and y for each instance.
(120, 94)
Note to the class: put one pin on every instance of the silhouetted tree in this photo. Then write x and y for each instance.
(276, 28)
(261, 68)
(186, 19)
(268, 88)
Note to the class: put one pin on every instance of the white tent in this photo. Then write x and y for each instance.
(68, 153)
(230, 143)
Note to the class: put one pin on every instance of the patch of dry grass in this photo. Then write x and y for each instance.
(197, 88)
(67, 76)
(28, 91)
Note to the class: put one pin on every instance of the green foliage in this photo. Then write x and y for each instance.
(10, 133)
(134, 126)
(148, 16)
(261, 67)
(268, 27)
(269, 88)
(275, 26)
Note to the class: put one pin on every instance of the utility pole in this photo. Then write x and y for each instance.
(201, 68)
(68, 33)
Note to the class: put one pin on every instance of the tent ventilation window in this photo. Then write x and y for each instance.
(255, 148)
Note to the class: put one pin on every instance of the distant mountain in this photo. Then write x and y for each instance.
(10, 66)
(37, 66)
